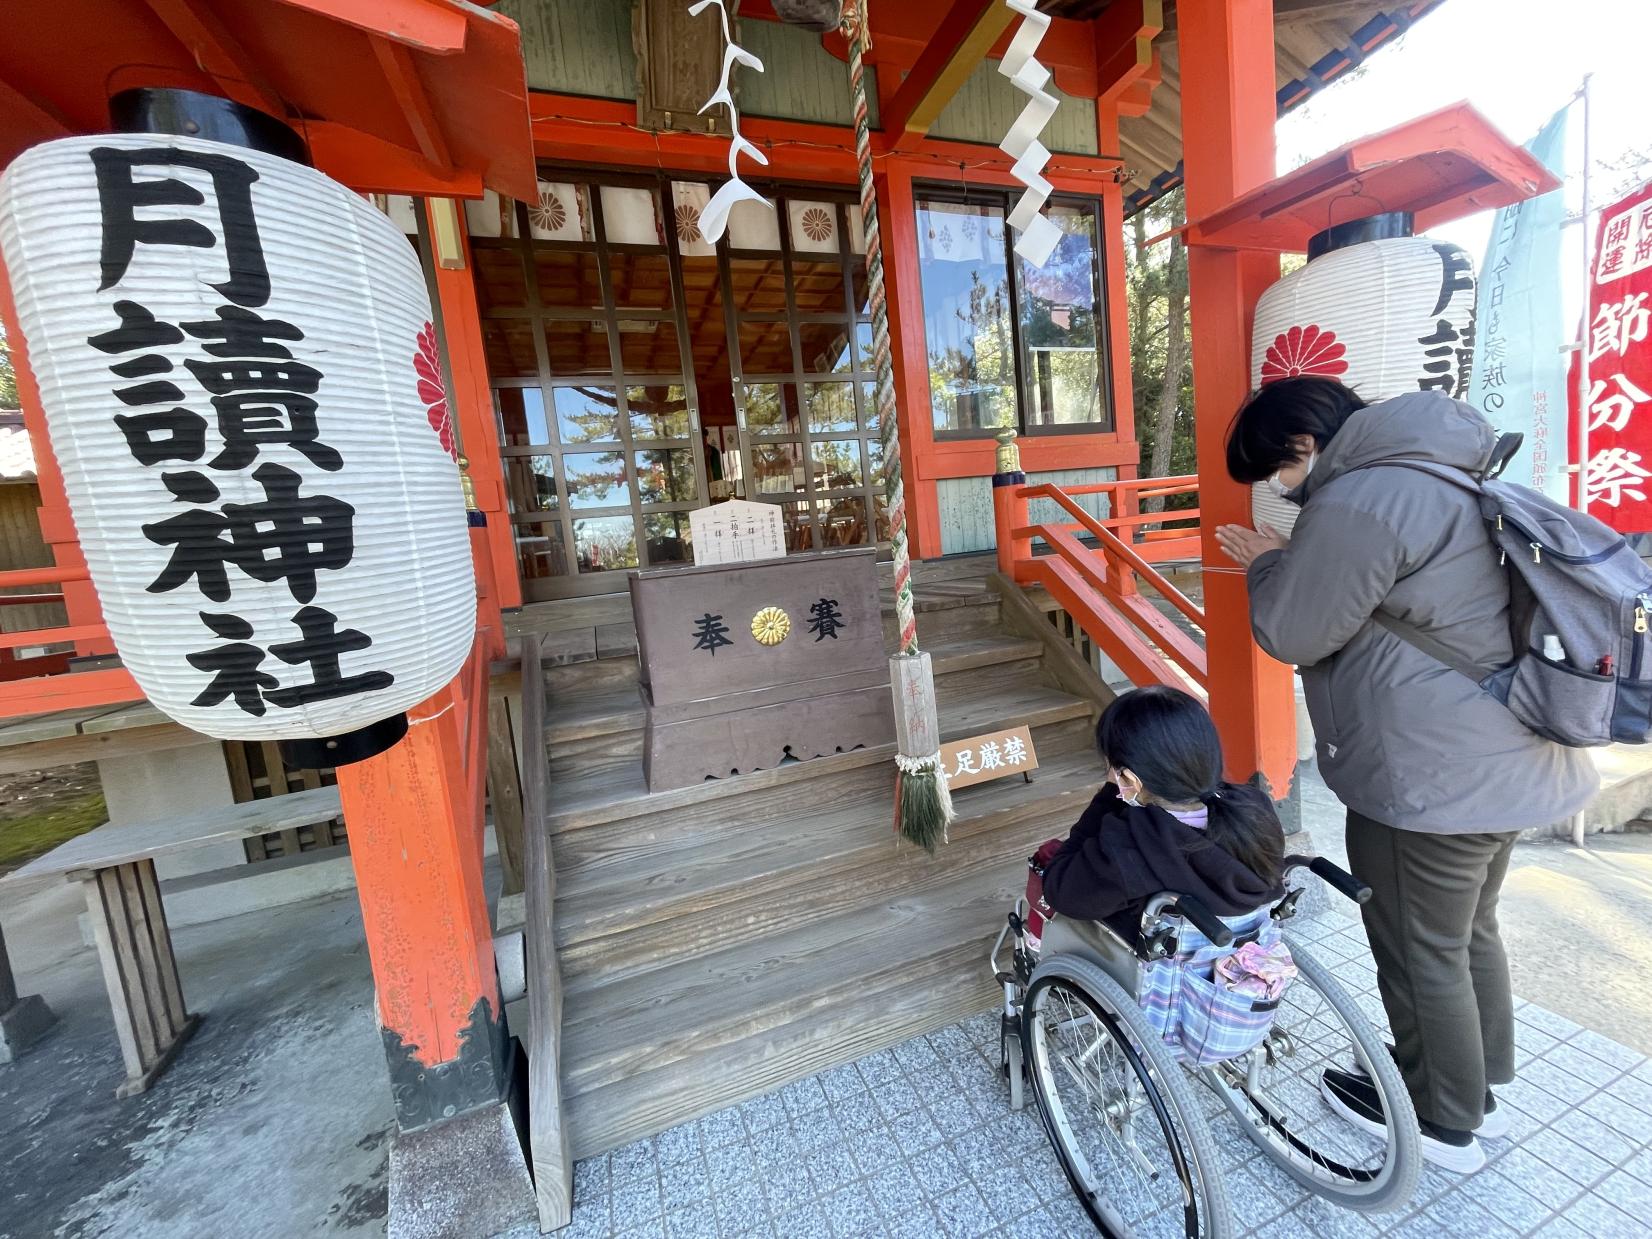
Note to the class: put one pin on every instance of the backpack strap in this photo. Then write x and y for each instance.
(1417, 639)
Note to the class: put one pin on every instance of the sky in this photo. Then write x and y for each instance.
(1517, 61)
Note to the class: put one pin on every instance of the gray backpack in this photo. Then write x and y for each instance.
(1580, 607)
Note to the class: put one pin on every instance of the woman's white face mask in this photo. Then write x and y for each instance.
(1282, 485)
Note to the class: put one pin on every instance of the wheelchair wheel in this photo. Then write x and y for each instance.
(1274, 1093)
(1119, 1110)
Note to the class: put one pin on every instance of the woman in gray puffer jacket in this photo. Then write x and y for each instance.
(1438, 776)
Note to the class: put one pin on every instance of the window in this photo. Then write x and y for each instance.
(1009, 344)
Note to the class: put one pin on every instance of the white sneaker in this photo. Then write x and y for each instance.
(1355, 1099)
(1495, 1123)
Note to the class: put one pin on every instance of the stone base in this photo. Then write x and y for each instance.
(466, 1178)
(23, 1025)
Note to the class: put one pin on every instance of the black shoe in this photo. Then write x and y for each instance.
(1356, 1100)
(1494, 1123)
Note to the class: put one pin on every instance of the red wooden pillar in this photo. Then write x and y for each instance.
(415, 823)
(1227, 75)
(471, 399)
(898, 224)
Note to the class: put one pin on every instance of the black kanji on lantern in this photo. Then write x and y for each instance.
(289, 537)
(158, 435)
(322, 643)
(1441, 349)
(261, 395)
(710, 632)
(827, 619)
(121, 197)
(283, 536)
(234, 666)
(1456, 274)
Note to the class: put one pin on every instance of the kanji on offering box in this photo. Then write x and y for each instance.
(1617, 480)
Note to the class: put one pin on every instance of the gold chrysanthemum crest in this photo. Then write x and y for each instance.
(771, 626)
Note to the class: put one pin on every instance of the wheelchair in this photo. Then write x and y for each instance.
(1136, 1136)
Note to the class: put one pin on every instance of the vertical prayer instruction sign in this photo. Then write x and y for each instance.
(243, 391)
(1617, 480)
(737, 532)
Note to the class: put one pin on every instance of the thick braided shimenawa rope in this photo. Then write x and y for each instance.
(855, 26)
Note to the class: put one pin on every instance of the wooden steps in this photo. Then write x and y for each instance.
(669, 1045)
(717, 941)
(786, 874)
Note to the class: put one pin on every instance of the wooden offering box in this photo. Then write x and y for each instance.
(744, 665)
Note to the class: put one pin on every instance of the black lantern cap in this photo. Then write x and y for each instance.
(1357, 231)
(191, 114)
(352, 746)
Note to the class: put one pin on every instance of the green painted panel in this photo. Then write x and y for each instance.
(986, 106)
(967, 522)
(577, 47)
(801, 80)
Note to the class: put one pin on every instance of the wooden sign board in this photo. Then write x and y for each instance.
(737, 532)
(980, 759)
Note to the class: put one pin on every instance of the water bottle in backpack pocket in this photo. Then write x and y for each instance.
(1580, 605)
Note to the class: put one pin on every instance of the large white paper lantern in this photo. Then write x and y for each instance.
(1384, 317)
(242, 388)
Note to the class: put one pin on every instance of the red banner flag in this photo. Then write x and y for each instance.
(1617, 481)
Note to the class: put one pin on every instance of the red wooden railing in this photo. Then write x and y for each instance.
(1096, 567)
(43, 684)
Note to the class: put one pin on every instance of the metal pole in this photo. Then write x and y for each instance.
(1583, 340)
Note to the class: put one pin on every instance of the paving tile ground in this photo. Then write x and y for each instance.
(920, 1141)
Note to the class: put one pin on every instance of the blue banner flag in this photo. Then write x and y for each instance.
(1519, 378)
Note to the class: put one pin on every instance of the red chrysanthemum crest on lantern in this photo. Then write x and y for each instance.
(1304, 350)
(428, 366)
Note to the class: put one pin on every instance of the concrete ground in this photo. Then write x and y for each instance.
(274, 1120)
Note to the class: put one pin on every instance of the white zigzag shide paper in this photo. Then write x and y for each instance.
(714, 216)
(1038, 235)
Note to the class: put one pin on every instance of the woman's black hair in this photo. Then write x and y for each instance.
(1260, 439)
(1167, 740)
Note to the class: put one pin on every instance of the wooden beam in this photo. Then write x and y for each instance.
(1124, 45)
(550, 1145)
(43, 119)
(396, 62)
(218, 53)
(369, 164)
(961, 43)
(439, 29)
(1287, 12)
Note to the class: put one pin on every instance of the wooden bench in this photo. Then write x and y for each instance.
(115, 865)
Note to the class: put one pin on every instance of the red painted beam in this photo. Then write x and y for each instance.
(961, 41)
(1124, 45)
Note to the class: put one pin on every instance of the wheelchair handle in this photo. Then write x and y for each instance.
(1339, 878)
(1201, 918)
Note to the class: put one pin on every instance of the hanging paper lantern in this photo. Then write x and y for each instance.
(242, 388)
(1376, 309)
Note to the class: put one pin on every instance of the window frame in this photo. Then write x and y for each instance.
(924, 192)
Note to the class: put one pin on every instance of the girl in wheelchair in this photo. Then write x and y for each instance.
(1150, 954)
(1165, 821)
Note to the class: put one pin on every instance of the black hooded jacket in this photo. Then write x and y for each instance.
(1118, 857)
